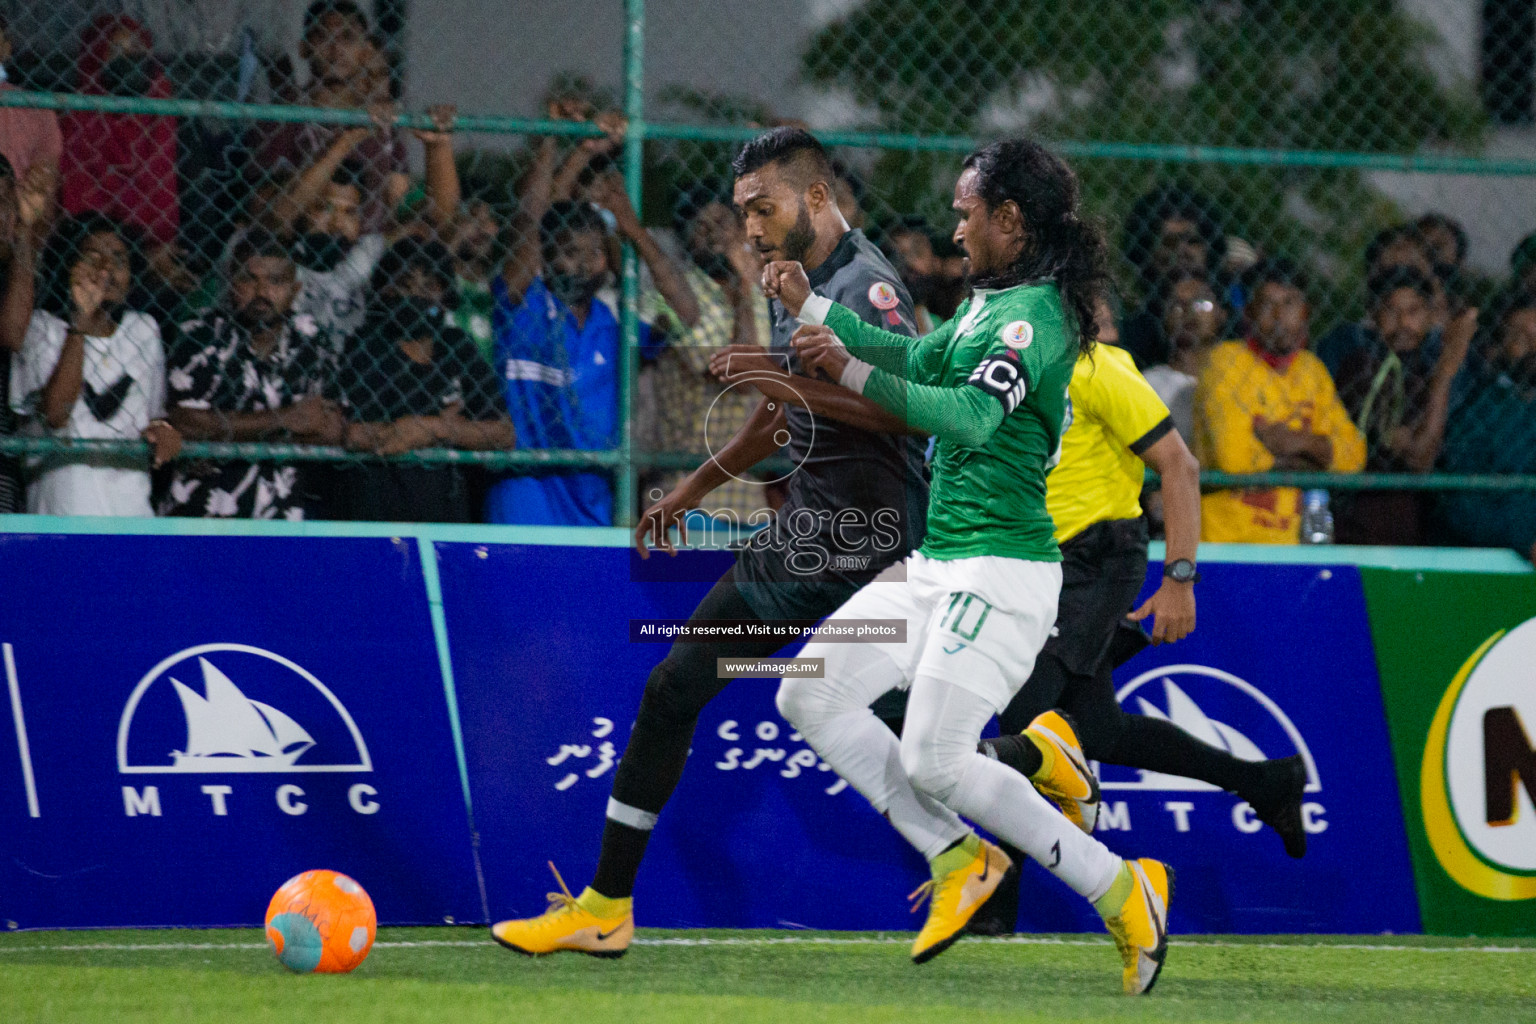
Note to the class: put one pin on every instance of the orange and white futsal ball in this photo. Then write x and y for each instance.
(321, 921)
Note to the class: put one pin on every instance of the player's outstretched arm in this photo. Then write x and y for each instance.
(967, 415)
(836, 402)
(755, 441)
(1173, 605)
(757, 368)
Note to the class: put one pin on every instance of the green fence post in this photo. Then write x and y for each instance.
(634, 147)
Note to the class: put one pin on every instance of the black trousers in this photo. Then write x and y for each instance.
(1102, 571)
(676, 692)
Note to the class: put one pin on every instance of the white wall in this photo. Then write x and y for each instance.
(1497, 212)
(499, 55)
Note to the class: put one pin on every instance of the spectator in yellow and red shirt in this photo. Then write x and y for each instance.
(1266, 403)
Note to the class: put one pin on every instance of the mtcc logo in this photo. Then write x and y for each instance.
(225, 709)
(1220, 709)
(1478, 779)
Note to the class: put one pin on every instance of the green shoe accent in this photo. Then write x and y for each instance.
(598, 905)
(1047, 757)
(1110, 903)
(957, 856)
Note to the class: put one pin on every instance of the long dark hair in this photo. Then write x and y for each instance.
(1058, 244)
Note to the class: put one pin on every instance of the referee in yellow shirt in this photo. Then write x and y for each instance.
(1118, 425)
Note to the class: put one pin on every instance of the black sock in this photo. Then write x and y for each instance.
(1016, 751)
(1152, 744)
(619, 863)
(648, 772)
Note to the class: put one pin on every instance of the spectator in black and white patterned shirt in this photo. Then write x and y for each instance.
(252, 371)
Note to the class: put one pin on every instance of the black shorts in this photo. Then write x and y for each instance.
(1102, 570)
(778, 599)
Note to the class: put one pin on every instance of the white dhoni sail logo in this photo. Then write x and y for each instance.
(228, 731)
(1186, 714)
(226, 724)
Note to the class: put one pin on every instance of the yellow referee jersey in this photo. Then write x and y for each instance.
(1115, 416)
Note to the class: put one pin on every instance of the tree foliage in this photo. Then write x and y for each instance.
(1347, 75)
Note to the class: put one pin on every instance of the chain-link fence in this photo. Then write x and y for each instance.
(350, 311)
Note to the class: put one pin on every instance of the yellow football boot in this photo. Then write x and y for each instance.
(1064, 777)
(970, 873)
(590, 923)
(1139, 924)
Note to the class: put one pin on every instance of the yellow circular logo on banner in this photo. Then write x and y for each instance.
(1477, 784)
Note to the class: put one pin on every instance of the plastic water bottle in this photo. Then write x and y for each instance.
(1316, 518)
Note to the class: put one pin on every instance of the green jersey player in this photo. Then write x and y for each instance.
(979, 597)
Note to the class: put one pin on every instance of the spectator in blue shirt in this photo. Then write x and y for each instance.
(557, 342)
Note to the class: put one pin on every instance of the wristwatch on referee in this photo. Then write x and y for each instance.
(1181, 570)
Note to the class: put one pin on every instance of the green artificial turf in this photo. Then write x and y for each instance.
(457, 975)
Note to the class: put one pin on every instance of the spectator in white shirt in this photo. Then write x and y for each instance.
(91, 368)
(1191, 318)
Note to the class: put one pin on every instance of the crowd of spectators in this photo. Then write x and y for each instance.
(1436, 376)
(322, 304)
(334, 300)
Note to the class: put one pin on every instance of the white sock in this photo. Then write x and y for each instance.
(1003, 802)
(834, 717)
(939, 750)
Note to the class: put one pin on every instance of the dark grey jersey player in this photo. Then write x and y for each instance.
(855, 505)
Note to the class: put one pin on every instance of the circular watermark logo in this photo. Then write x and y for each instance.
(719, 428)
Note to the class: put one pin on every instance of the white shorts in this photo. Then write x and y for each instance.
(978, 623)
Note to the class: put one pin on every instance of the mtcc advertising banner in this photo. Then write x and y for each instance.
(187, 721)
(196, 719)
(1280, 665)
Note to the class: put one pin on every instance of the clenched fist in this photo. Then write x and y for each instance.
(785, 280)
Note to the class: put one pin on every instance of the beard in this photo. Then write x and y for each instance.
(1403, 341)
(800, 238)
(258, 315)
(576, 289)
